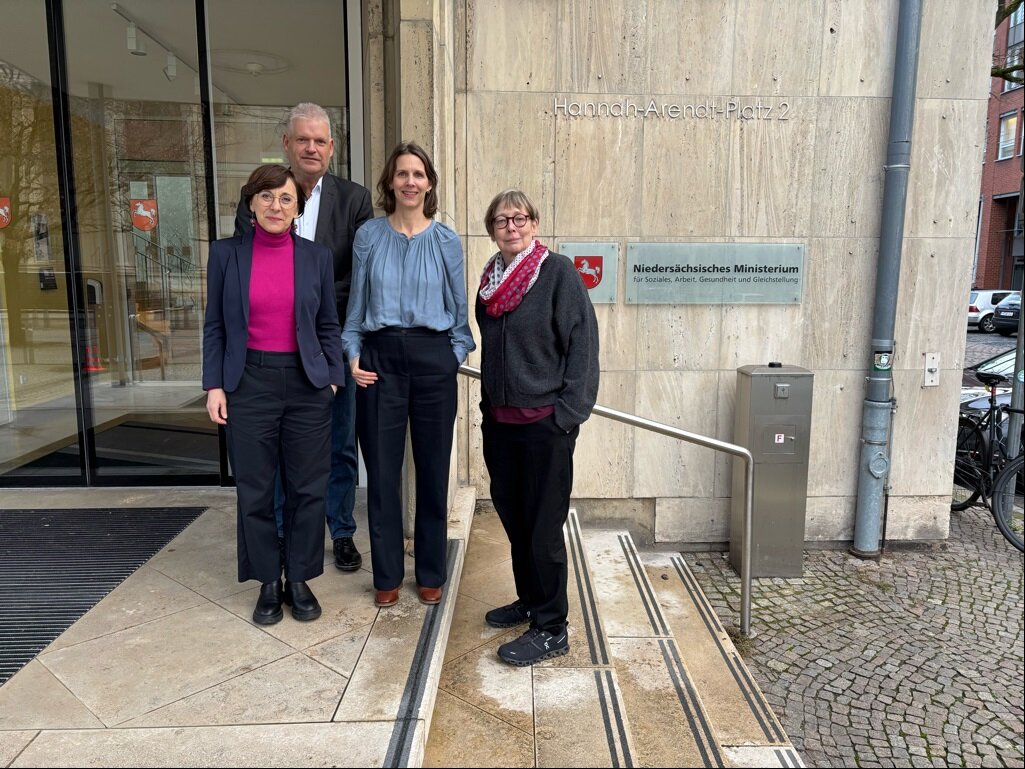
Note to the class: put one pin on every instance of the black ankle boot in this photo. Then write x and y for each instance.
(268, 605)
(304, 604)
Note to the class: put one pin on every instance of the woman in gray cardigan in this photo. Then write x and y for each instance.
(539, 382)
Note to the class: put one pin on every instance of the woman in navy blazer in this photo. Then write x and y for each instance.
(272, 362)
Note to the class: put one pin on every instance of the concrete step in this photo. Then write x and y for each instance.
(169, 670)
(690, 700)
(652, 679)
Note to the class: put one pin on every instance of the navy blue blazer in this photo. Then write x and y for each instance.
(226, 328)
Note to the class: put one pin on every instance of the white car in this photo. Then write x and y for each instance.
(981, 304)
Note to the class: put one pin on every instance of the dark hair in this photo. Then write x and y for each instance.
(271, 177)
(386, 195)
(516, 199)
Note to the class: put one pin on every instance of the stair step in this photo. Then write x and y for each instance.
(735, 705)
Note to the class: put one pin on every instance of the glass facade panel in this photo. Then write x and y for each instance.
(263, 63)
(137, 137)
(100, 366)
(39, 434)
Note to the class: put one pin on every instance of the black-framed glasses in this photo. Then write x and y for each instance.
(501, 222)
(267, 198)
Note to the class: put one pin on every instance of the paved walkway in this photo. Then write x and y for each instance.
(916, 660)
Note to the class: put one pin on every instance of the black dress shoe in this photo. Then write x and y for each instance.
(268, 605)
(302, 600)
(347, 557)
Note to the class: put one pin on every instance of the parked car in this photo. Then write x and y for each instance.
(1005, 316)
(973, 390)
(981, 305)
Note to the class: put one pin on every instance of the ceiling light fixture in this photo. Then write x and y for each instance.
(171, 70)
(136, 42)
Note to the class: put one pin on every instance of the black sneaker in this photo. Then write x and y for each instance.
(347, 557)
(533, 646)
(512, 615)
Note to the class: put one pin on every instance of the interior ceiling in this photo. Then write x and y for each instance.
(307, 36)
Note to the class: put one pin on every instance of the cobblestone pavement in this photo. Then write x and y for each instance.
(979, 346)
(915, 660)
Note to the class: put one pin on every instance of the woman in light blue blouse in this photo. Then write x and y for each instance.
(405, 334)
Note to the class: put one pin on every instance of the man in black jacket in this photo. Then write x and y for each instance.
(335, 208)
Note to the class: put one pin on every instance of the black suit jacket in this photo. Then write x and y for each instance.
(226, 329)
(344, 206)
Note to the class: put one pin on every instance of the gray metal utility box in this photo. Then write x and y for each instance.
(773, 421)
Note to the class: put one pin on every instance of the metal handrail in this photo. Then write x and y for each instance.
(710, 443)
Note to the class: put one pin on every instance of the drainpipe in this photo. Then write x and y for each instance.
(874, 464)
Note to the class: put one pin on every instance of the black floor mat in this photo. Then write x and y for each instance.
(55, 565)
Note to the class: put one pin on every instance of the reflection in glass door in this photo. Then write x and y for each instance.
(138, 159)
(39, 436)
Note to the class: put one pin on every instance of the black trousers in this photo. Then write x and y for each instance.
(416, 383)
(277, 418)
(531, 468)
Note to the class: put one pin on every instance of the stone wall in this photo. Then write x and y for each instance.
(499, 71)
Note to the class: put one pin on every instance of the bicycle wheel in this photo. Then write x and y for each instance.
(1008, 503)
(969, 465)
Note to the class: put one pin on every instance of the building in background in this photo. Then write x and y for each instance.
(646, 130)
(1000, 255)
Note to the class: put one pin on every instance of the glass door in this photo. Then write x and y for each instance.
(137, 137)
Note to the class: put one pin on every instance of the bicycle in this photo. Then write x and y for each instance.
(982, 470)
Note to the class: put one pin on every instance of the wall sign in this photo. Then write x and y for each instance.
(714, 273)
(598, 265)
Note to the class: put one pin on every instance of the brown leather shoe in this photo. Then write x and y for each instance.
(429, 595)
(384, 598)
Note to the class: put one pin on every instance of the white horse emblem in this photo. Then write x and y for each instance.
(144, 214)
(5, 216)
(590, 274)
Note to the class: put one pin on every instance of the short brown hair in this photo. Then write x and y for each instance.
(516, 199)
(271, 177)
(386, 195)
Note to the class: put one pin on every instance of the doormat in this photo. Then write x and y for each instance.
(55, 565)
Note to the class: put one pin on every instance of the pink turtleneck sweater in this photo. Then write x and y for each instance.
(272, 292)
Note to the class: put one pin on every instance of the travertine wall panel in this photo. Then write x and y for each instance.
(510, 143)
(839, 291)
(837, 398)
(694, 54)
(682, 336)
(690, 519)
(597, 187)
(924, 434)
(946, 165)
(602, 46)
(829, 519)
(759, 333)
(850, 138)
(952, 64)
(724, 420)
(663, 466)
(858, 47)
(773, 171)
(777, 48)
(617, 335)
(932, 275)
(687, 192)
(918, 517)
(418, 46)
(527, 61)
(603, 458)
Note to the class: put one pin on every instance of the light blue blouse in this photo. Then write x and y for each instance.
(407, 282)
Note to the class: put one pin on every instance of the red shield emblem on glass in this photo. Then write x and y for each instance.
(589, 268)
(5, 212)
(144, 213)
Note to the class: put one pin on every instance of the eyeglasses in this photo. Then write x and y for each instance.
(501, 222)
(267, 198)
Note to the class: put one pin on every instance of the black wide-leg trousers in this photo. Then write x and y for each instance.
(277, 417)
(416, 383)
(531, 468)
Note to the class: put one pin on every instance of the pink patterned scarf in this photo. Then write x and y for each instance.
(501, 291)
